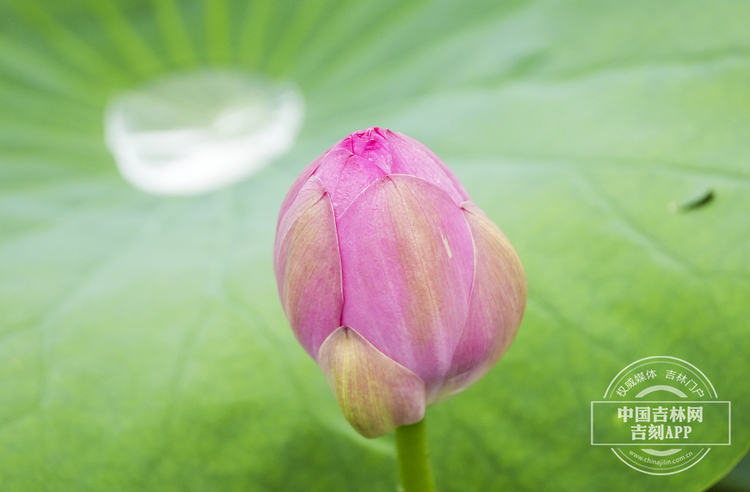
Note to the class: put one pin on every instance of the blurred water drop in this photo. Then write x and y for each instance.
(196, 132)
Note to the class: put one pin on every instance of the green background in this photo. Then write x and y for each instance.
(142, 345)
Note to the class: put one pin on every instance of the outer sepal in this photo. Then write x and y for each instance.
(375, 393)
(496, 306)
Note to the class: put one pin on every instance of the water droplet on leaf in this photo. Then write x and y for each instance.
(196, 132)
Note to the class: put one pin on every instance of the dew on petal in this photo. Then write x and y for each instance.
(196, 132)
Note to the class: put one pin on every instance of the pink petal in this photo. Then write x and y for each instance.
(498, 299)
(345, 176)
(308, 268)
(411, 157)
(408, 260)
(375, 393)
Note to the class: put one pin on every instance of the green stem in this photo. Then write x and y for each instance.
(413, 458)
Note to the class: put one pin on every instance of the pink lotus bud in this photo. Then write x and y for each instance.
(402, 289)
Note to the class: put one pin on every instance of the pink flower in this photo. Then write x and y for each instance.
(402, 289)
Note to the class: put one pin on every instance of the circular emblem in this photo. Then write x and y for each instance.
(660, 415)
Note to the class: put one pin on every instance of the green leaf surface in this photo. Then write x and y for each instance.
(142, 345)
